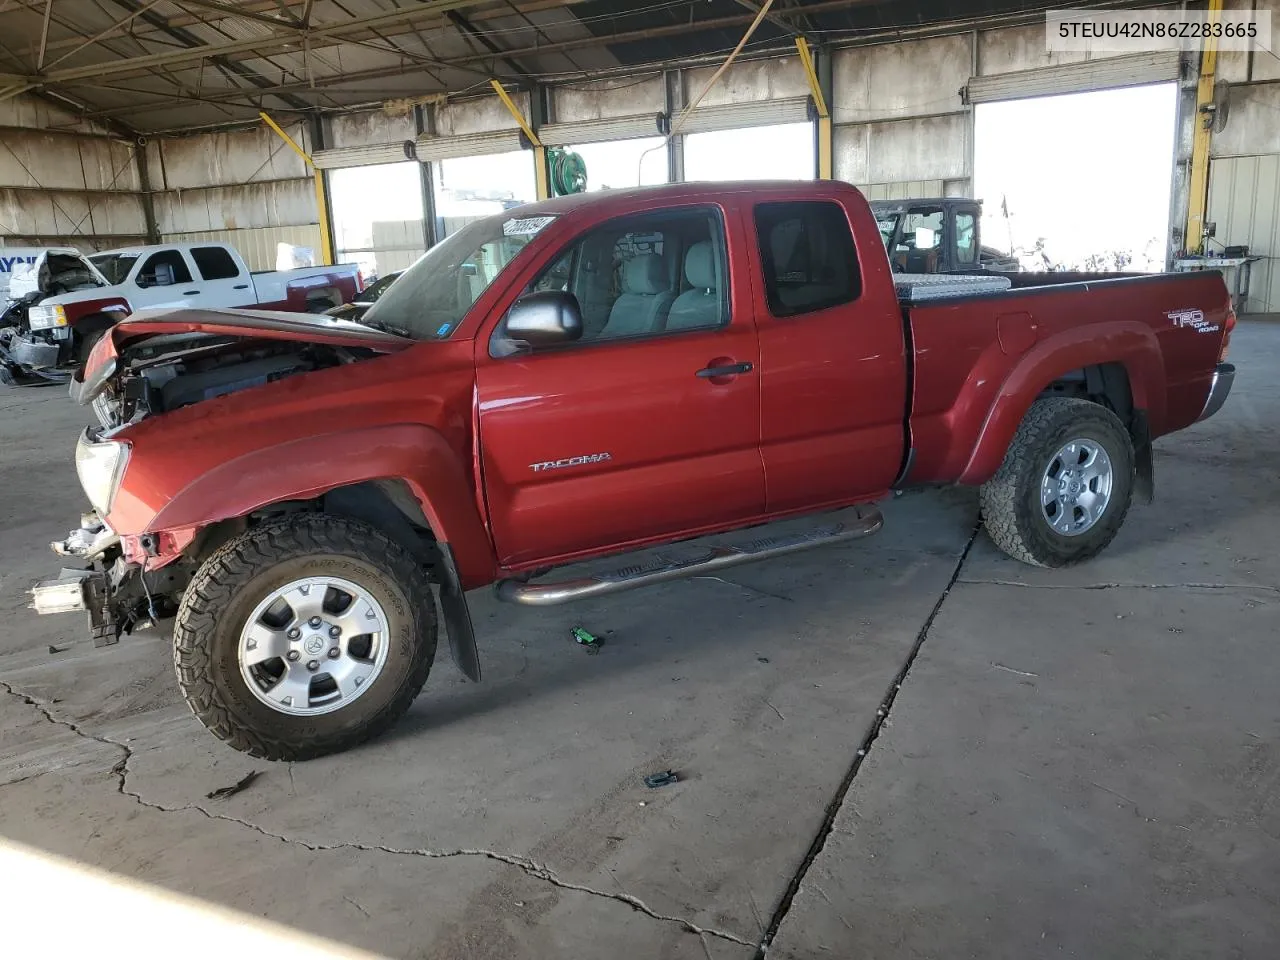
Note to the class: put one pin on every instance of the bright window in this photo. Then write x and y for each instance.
(377, 216)
(468, 188)
(780, 152)
(618, 164)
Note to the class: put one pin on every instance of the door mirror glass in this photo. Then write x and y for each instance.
(544, 319)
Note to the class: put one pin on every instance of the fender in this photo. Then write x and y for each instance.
(116, 308)
(306, 468)
(1130, 343)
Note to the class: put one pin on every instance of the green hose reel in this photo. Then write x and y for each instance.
(568, 172)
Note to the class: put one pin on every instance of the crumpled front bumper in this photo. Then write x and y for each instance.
(92, 588)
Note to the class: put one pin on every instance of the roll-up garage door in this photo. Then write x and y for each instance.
(732, 116)
(365, 155)
(429, 148)
(600, 131)
(1107, 73)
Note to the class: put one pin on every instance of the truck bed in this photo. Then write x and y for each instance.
(1165, 329)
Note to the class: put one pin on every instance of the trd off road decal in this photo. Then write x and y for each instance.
(1192, 317)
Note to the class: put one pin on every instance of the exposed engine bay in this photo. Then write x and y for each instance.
(173, 371)
(28, 356)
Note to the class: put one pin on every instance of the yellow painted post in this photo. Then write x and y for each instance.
(542, 180)
(322, 201)
(820, 103)
(1198, 198)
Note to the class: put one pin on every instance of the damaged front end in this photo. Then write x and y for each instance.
(116, 594)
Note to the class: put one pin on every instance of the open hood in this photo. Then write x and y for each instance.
(249, 324)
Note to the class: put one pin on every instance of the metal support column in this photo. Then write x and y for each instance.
(322, 189)
(538, 111)
(148, 198)
(1198, 198)
(673, 86)
(423, 124)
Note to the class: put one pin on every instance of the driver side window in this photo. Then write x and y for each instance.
(645, 275)
(172, 259)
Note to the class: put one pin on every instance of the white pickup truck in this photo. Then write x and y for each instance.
(55, 325)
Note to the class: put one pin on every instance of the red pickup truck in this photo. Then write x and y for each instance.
(587, 376)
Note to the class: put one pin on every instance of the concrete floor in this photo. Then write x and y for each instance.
(1078, 763)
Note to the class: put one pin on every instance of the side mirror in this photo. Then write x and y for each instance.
(164, 275)
(545, 318)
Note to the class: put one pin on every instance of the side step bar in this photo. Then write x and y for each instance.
(866, 522)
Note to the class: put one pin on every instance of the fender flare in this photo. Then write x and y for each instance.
(1130, 343)
(306, 468)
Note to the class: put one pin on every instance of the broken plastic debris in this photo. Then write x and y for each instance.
(655, 780)
(587, 639)
(223, 792)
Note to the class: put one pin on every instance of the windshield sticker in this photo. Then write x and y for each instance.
(444, 328)
(525, 226)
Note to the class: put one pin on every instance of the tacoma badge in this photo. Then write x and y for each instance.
(569, 462)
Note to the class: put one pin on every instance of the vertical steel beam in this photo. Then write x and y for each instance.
(424, 124)
(673, 89)
(148, 197)
(1199, 191)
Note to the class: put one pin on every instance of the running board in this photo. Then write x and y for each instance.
(866, 522)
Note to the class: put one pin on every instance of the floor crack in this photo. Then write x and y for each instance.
(1124, 586)
(837, 801)
(530, 867)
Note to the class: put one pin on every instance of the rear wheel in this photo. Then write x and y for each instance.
(320, 306)
(1065, 485)
(304, 637)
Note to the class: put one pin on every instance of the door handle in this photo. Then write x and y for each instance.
(728, 370)
(241, 286)
(189, 293)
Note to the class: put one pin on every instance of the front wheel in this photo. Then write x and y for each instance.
(1065, 485)
(304, 637)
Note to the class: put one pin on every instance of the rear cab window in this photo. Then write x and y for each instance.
(807, 256)
(214, 263)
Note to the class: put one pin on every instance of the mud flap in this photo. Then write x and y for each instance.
(1145, 484)
(457, 616)
(1144, 458)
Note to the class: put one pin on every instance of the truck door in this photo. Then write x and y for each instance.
(164, 279)
(649, 425)
(833, 379)
(223, 282)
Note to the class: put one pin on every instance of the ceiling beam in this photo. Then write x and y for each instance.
(397, 70)
(773, 17)
(328, 31)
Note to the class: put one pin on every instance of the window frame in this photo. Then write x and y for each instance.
(765, 258)
(142, 271)
(714, 214)
(220, 250)
(954, 245)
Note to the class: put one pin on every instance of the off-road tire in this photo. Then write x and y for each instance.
(1010, 500)
(224, 592)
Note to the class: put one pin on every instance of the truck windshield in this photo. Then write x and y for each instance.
(114, 266)
(430, 299)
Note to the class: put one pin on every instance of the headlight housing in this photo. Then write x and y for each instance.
(45, 316)
(100, 465)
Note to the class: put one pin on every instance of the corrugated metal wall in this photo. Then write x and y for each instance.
(1244, 172)
(1244, 204)
(244, 187)
(64, 181)
(258, 244)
